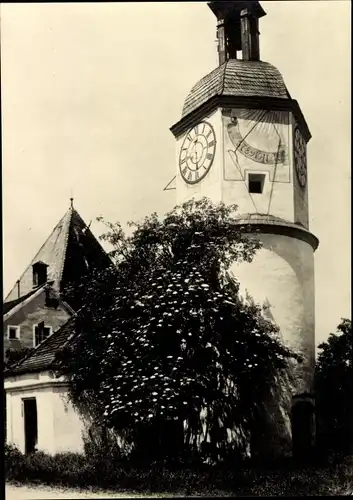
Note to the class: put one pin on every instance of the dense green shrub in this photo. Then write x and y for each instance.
(39, 466)
(333, 393)
(166, 350)
(72, 469)
(14, 463)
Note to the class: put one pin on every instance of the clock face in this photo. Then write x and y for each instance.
(197, 153)
(300, 157)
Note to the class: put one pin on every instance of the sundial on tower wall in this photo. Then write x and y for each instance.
(242, 139)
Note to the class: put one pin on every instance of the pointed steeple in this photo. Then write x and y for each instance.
(69, 252)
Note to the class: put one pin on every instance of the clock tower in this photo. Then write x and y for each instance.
(242, 139)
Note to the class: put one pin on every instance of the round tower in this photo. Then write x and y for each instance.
(242, 140)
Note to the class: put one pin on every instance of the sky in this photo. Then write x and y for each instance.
(90, 90)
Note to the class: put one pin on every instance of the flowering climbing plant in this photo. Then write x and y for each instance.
(165, 336)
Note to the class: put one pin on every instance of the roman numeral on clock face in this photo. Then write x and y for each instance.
(197, 152)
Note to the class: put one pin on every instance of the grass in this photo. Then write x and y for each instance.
(286, 478)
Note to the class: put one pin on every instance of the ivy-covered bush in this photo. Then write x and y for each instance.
(167, 353)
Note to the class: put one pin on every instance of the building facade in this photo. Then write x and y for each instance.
(39, 315)
(38, 304)
(242, 139)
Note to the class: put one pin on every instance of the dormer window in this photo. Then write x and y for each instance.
(39, 273)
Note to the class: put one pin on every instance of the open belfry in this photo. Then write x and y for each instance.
(242, 139)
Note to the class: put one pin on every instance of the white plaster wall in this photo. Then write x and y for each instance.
(210, 185)
(27, 380)
(227, 178)
(277, 197)
(15, 418)
(282, 273)
(59, 426)
(68, 426)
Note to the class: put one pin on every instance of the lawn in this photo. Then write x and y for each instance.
(334, 479)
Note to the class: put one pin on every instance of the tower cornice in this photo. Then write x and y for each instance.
(251, 102)
(260, 223)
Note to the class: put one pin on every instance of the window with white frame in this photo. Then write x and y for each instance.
(40, 333)
(13, 332)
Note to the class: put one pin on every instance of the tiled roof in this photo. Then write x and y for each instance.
(258, 218)
(51, 253)
(60, 247)
(7, 306)
(43, 357)
(237, 78)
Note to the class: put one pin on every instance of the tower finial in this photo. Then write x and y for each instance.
(71, 199)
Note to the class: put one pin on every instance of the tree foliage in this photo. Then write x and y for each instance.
(166, 338)
(334, 390)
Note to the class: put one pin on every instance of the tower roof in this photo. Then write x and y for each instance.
(70, 246)
(223, 8)
(237, 78)
(241, 80)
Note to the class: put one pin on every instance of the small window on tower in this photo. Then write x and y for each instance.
(39, 273)
(256, 183)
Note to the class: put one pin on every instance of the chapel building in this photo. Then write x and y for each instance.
(38, 314)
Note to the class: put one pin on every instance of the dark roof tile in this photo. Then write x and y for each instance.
(64, 244)
(8, 306)
(237, 78)
(43, 357)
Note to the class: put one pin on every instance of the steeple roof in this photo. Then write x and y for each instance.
(237, 78)
(70, 249)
